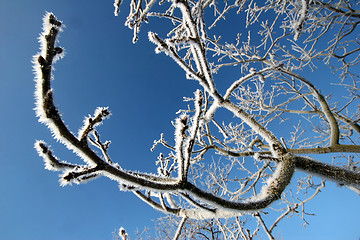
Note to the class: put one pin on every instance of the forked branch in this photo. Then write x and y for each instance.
(163, 190)
(97, 166)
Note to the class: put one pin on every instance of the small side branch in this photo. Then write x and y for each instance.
(334, 126)
(51, 162)
(90, 123)
(178, 231)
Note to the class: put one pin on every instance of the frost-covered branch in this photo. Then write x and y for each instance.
(49, 114)
(96, 166)
(266, 93)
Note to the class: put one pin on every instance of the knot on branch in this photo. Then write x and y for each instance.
(278, 150)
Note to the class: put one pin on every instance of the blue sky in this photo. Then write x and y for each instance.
(143, 90)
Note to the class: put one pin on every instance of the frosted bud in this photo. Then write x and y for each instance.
(123, 234)
(54, 21)
(41, 61)
(58, 50)
(184, 119)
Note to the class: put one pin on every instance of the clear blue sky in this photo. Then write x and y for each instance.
(143, 90)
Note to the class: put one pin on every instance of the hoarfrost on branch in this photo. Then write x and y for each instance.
(257, 159)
